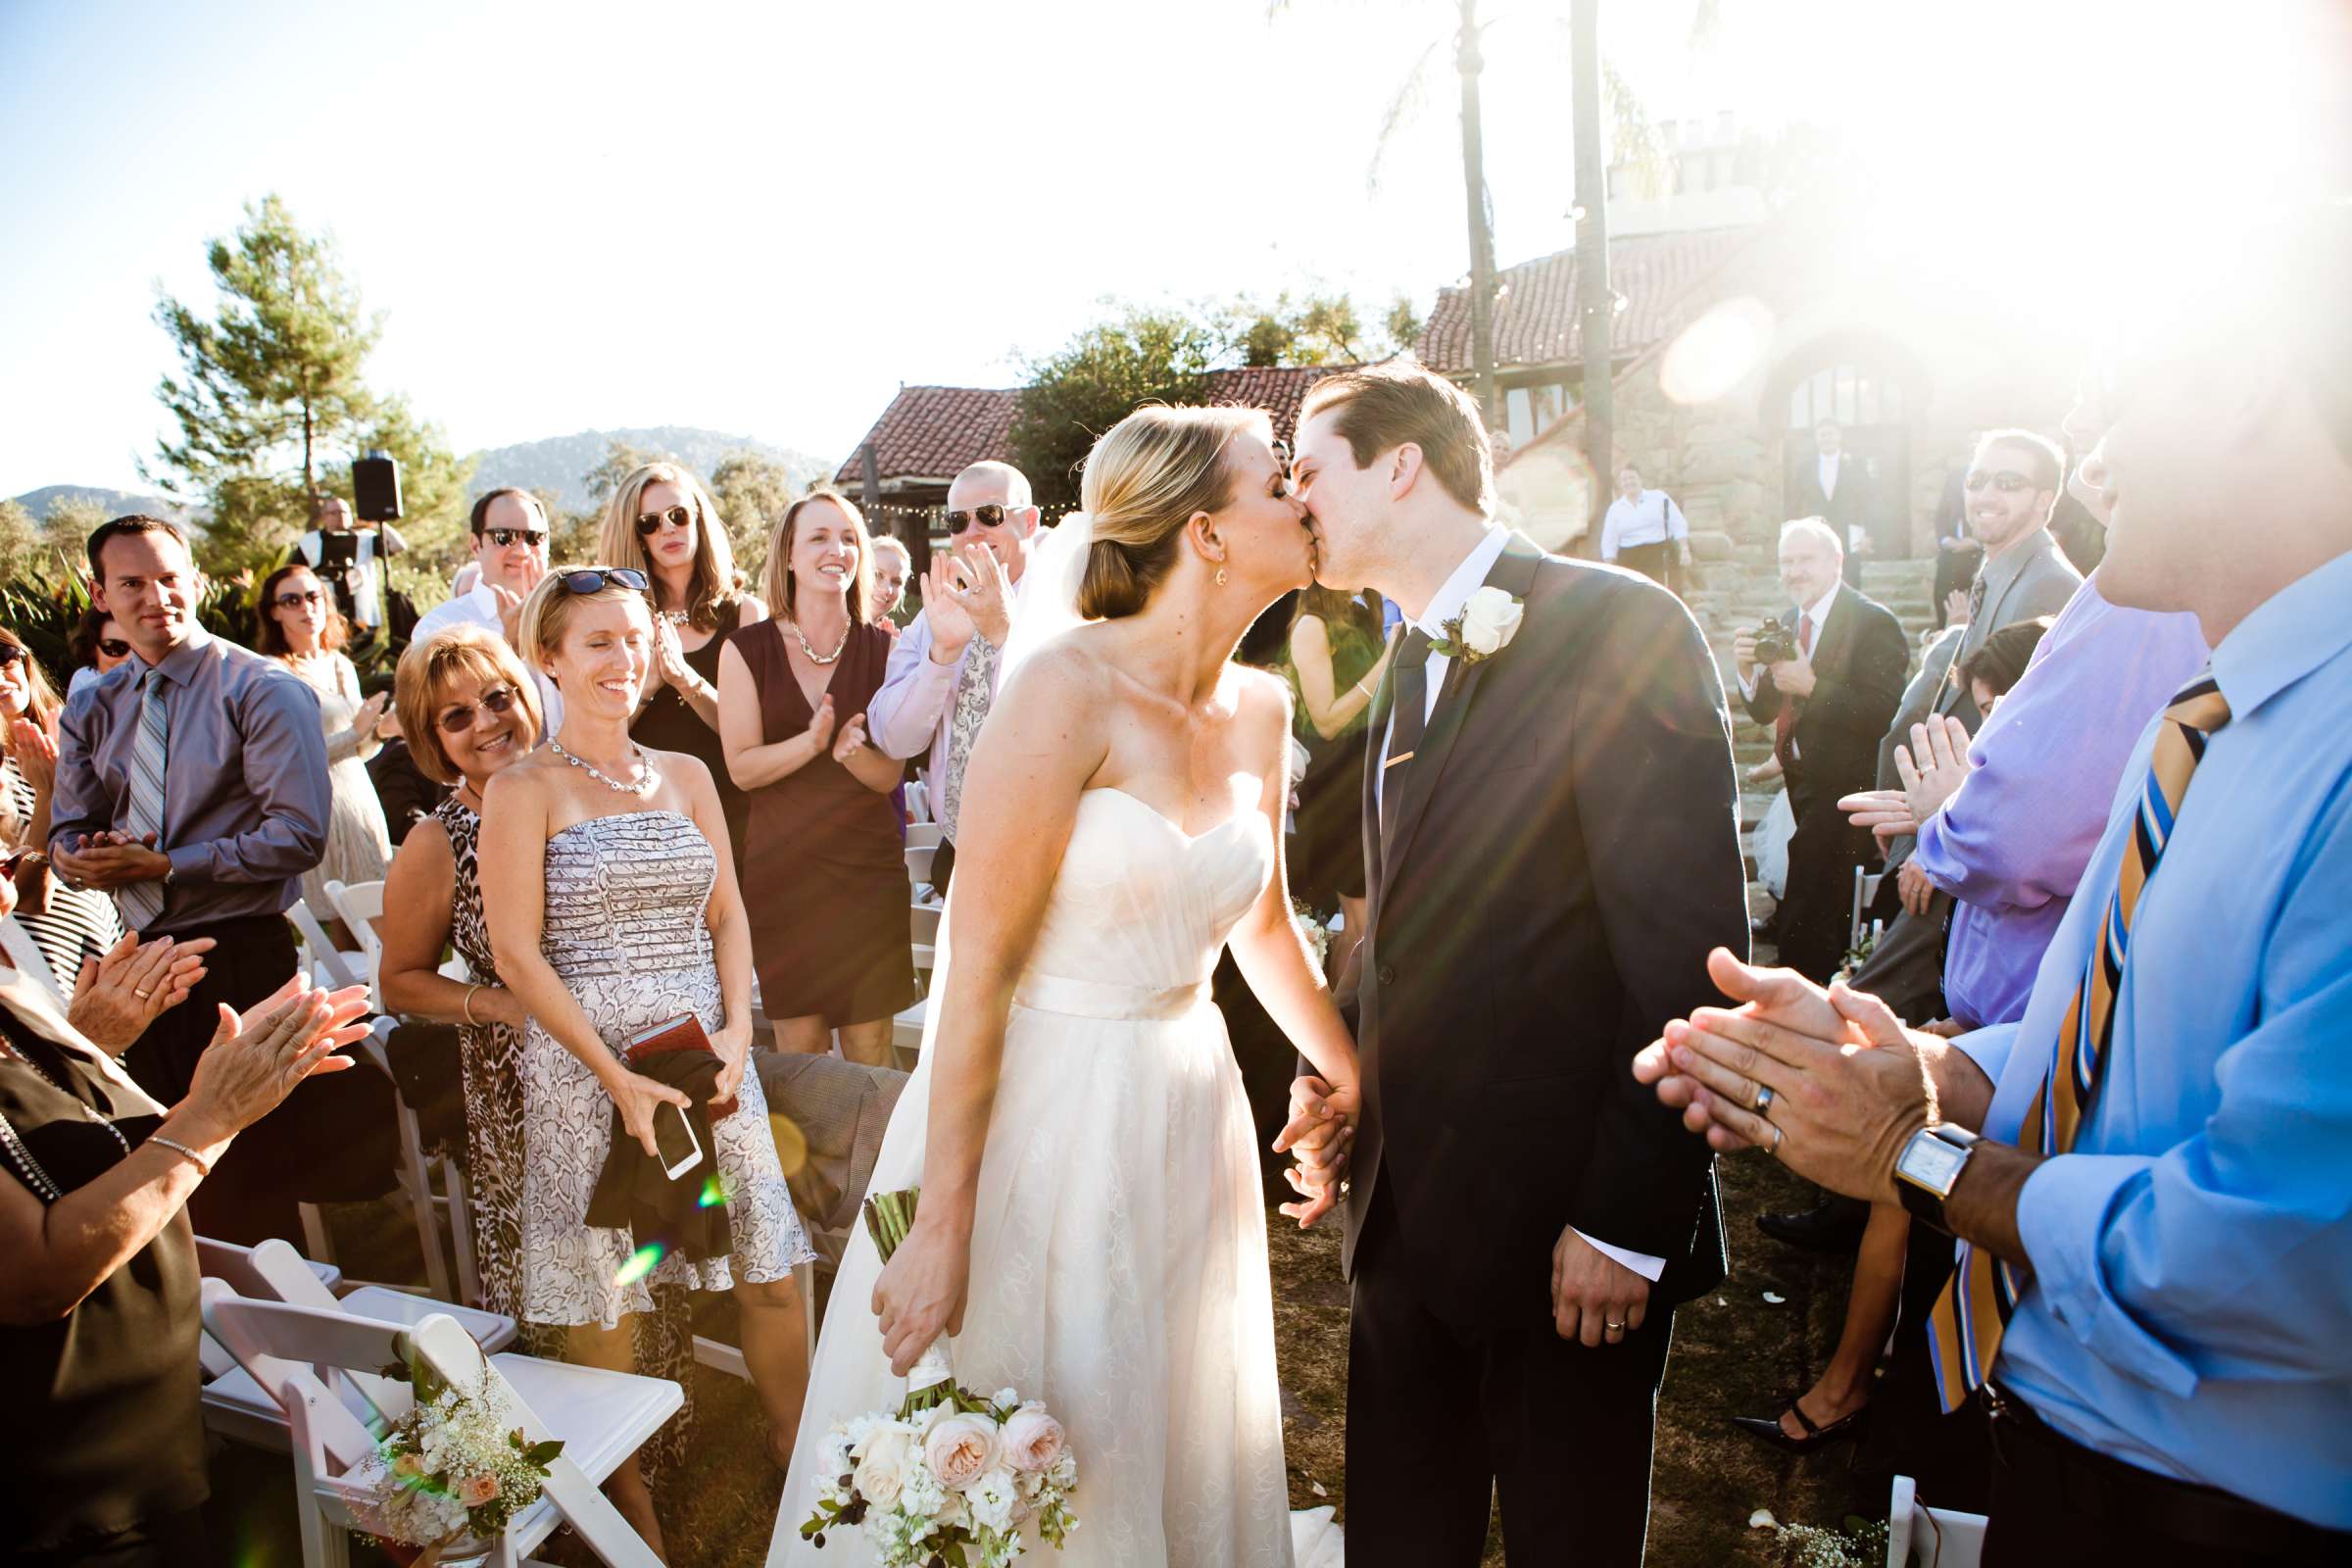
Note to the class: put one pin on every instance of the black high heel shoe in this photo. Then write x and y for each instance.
(1768, 1429)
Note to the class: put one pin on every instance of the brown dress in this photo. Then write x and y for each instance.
(824, 870)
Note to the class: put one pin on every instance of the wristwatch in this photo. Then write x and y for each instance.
(1929, 1168)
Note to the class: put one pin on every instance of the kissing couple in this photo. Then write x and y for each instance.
(1552, 848)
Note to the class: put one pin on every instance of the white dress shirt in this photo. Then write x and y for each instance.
(1638, 521)
(1819, 611)
(1444, 605)
(480, 608)
(1828, 472)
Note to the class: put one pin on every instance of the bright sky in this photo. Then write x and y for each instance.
(763, 218)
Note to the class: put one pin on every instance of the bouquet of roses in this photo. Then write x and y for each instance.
(949, 1477)
(457, 1467)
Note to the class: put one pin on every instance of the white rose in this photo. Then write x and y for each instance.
(1490, 620)
(882, 1467)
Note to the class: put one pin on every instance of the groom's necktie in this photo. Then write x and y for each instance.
(1964, 1332)
(1408, 716)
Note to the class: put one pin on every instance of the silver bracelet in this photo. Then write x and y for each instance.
(204, 1166)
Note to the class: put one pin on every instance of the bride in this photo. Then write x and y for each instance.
(1091, 1231)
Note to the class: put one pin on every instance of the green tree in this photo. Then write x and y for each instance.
(1098, 379)
(65, 534)
(752, 492)
(1319, 329)
(22, 550)
(270, 395)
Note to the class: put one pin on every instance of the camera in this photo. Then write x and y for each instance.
(1776, 644)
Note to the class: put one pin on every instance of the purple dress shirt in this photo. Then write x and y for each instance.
(2011, 843)
(246, 796)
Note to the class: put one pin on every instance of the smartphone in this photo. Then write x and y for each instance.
(674, 1136)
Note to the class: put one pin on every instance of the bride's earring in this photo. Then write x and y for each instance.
(1221, 577)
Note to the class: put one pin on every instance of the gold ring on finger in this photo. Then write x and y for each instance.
(141, 994)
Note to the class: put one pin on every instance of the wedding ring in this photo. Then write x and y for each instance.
(1763, 1103)
(1613, 1327)
(141, 994)
(1778, 1136)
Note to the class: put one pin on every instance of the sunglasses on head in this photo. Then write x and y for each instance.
(2007, 482)
(113, 648)
(294, 599)
(496, 702)
(506, 538)
(990, 516)
(649, 523)
(596, 579)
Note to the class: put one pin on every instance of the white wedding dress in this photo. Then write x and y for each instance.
(1119, 1267)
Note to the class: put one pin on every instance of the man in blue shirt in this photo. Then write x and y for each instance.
(2154, 1289)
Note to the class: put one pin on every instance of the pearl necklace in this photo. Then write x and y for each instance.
(823, 660)
(648, 780)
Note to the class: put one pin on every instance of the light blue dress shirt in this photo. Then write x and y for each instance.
(2190, 1308)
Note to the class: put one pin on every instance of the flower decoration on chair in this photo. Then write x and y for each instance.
(950, 1476)
(1489, 620)
(457, 1467)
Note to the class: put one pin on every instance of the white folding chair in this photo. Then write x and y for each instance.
(923, 836)
(326, 962)
(922, 929)
(24, 955)
(906, 1033)
(1940, 1538)
(1866, 894)
(918, 862)
(359, 906)
(601, 1417)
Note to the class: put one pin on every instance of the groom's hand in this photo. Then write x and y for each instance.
(1319, 1133)
(1594, 1298)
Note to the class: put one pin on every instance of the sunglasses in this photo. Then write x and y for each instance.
(295, 601)
(496, 702)
(2008, 483)
(508, 538)
(10, 652)
(596, 579)
(113, 648)
(649, 523)
(991, 515)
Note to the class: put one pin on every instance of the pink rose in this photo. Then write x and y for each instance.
(474, 1490)
(1033, 1439)
(960, 1450)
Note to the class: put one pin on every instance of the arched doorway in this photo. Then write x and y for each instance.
(1875, 393)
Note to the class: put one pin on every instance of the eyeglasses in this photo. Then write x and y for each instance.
(506, 538)
(990, 516)
(291, 599)
(649, 523)
(496, 702)
(596, 579)
(2007, 482)
(113, 648)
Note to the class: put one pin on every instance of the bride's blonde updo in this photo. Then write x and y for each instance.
(1144, 479)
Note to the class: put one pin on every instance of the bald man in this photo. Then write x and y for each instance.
(943, 672)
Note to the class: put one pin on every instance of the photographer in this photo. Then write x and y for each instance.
(1827, 675)
(347, 560)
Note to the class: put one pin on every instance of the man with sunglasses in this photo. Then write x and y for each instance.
(943, 671)
(510, 551)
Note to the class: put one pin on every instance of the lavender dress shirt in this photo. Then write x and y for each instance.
(2011, 844)
(246, 796)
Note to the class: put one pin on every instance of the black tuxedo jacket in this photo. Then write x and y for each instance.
(1848, 508)
(1566, 850)
(1860, 659)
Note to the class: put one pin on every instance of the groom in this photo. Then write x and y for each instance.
(1550, 825)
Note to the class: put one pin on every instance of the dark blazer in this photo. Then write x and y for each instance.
(1849, 507)
(1566, 850)
(1859, 661)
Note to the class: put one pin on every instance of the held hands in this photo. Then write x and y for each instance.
(921, 1291)
(1319, 1134)
(1849, 1084)
(126, 988)
(636, 1096)
(1594, 1298)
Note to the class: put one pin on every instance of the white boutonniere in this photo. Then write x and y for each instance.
(1485, 627)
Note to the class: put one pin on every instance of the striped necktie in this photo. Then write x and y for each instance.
(1965, 1330)
(142, 903)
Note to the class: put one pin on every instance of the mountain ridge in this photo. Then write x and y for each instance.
(562, 463)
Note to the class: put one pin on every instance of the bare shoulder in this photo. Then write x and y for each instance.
(1262, 699)
(1074, 665)
(692, 773)
(525, 783)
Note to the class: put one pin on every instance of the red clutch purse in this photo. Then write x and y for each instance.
(682, 1033)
